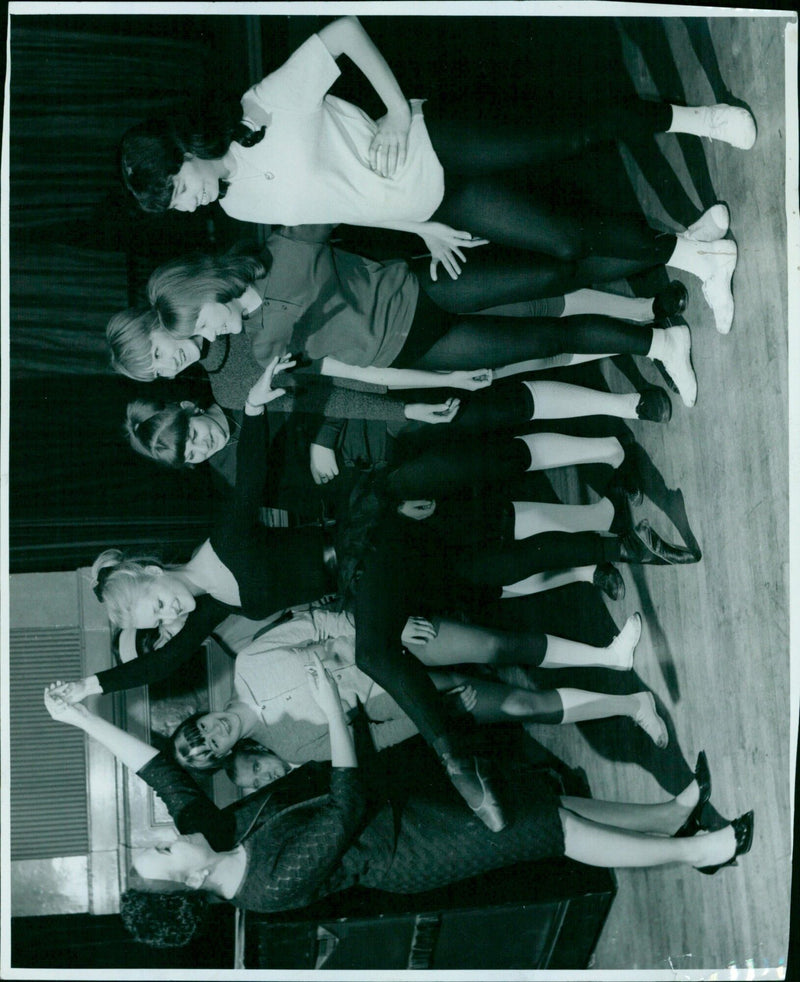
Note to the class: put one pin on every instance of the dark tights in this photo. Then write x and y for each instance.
(490, 189)
(488, 145)
(441, 470)
(491, 342)
(396, 580)
(494, 275)
(510, 562)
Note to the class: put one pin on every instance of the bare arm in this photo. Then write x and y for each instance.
(326, 695)
(408, 378)
(128, 749)
(388, 149)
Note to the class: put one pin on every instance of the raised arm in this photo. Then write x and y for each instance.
(159, 663)
(408, 378)
(241, 512)
(326, 694)
(190, 808)
(128, 749)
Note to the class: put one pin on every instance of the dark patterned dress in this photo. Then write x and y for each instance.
(318, 831)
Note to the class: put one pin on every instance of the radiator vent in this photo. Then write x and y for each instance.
(48, 759)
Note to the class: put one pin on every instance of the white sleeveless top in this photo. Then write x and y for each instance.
(312, 165)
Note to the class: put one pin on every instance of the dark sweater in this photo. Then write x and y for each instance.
(273, 567)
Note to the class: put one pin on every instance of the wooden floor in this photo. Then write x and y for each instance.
(715, 646)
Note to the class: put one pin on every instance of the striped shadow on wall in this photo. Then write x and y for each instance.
(48, 759)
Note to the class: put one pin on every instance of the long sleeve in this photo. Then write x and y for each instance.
(251, 474)
(162, 662)
(329, 432)
(309, 843)
(190, 808)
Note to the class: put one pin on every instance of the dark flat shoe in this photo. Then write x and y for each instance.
(654, 405)
(643, 545)
(627, 480)
(670, 302)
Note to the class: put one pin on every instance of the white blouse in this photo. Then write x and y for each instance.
(312, 165)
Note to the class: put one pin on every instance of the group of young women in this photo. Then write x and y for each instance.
(424, 522)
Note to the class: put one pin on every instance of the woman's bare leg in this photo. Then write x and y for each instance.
(463, 644)
(664, 818)
(601, 845)
(495, 702)
(550, 450)
(586, 301)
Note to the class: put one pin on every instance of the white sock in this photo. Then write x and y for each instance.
(549, 450)
(535, 517)
(560, 400)
(658, 345)
(539, 582)
(689, 119)
(638, 309)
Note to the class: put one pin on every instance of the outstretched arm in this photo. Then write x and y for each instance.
(326, 695)
(190, 808)
(128, 749)
(408, 378)
(160, 662)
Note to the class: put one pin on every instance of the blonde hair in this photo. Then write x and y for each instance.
(117, 582)
(178, 289)
(129, 335)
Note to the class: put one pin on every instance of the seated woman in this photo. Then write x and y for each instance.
(184, 435)
(270, 702)
(242, 565)
(304, 296)
(300, 156)
(420, 571)
(317, 831)
(363, 320)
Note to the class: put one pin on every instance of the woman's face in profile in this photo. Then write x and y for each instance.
(216, 319)
(195, 185)
(174, 860)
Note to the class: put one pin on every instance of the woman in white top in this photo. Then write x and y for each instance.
(305, 157)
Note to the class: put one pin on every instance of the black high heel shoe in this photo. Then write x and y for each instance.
(643, 545)
(702, 776)
(743, 830)
(670, 302)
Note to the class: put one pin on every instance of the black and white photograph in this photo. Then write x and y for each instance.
(396, 469)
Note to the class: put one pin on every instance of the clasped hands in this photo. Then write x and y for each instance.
(61, 700)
